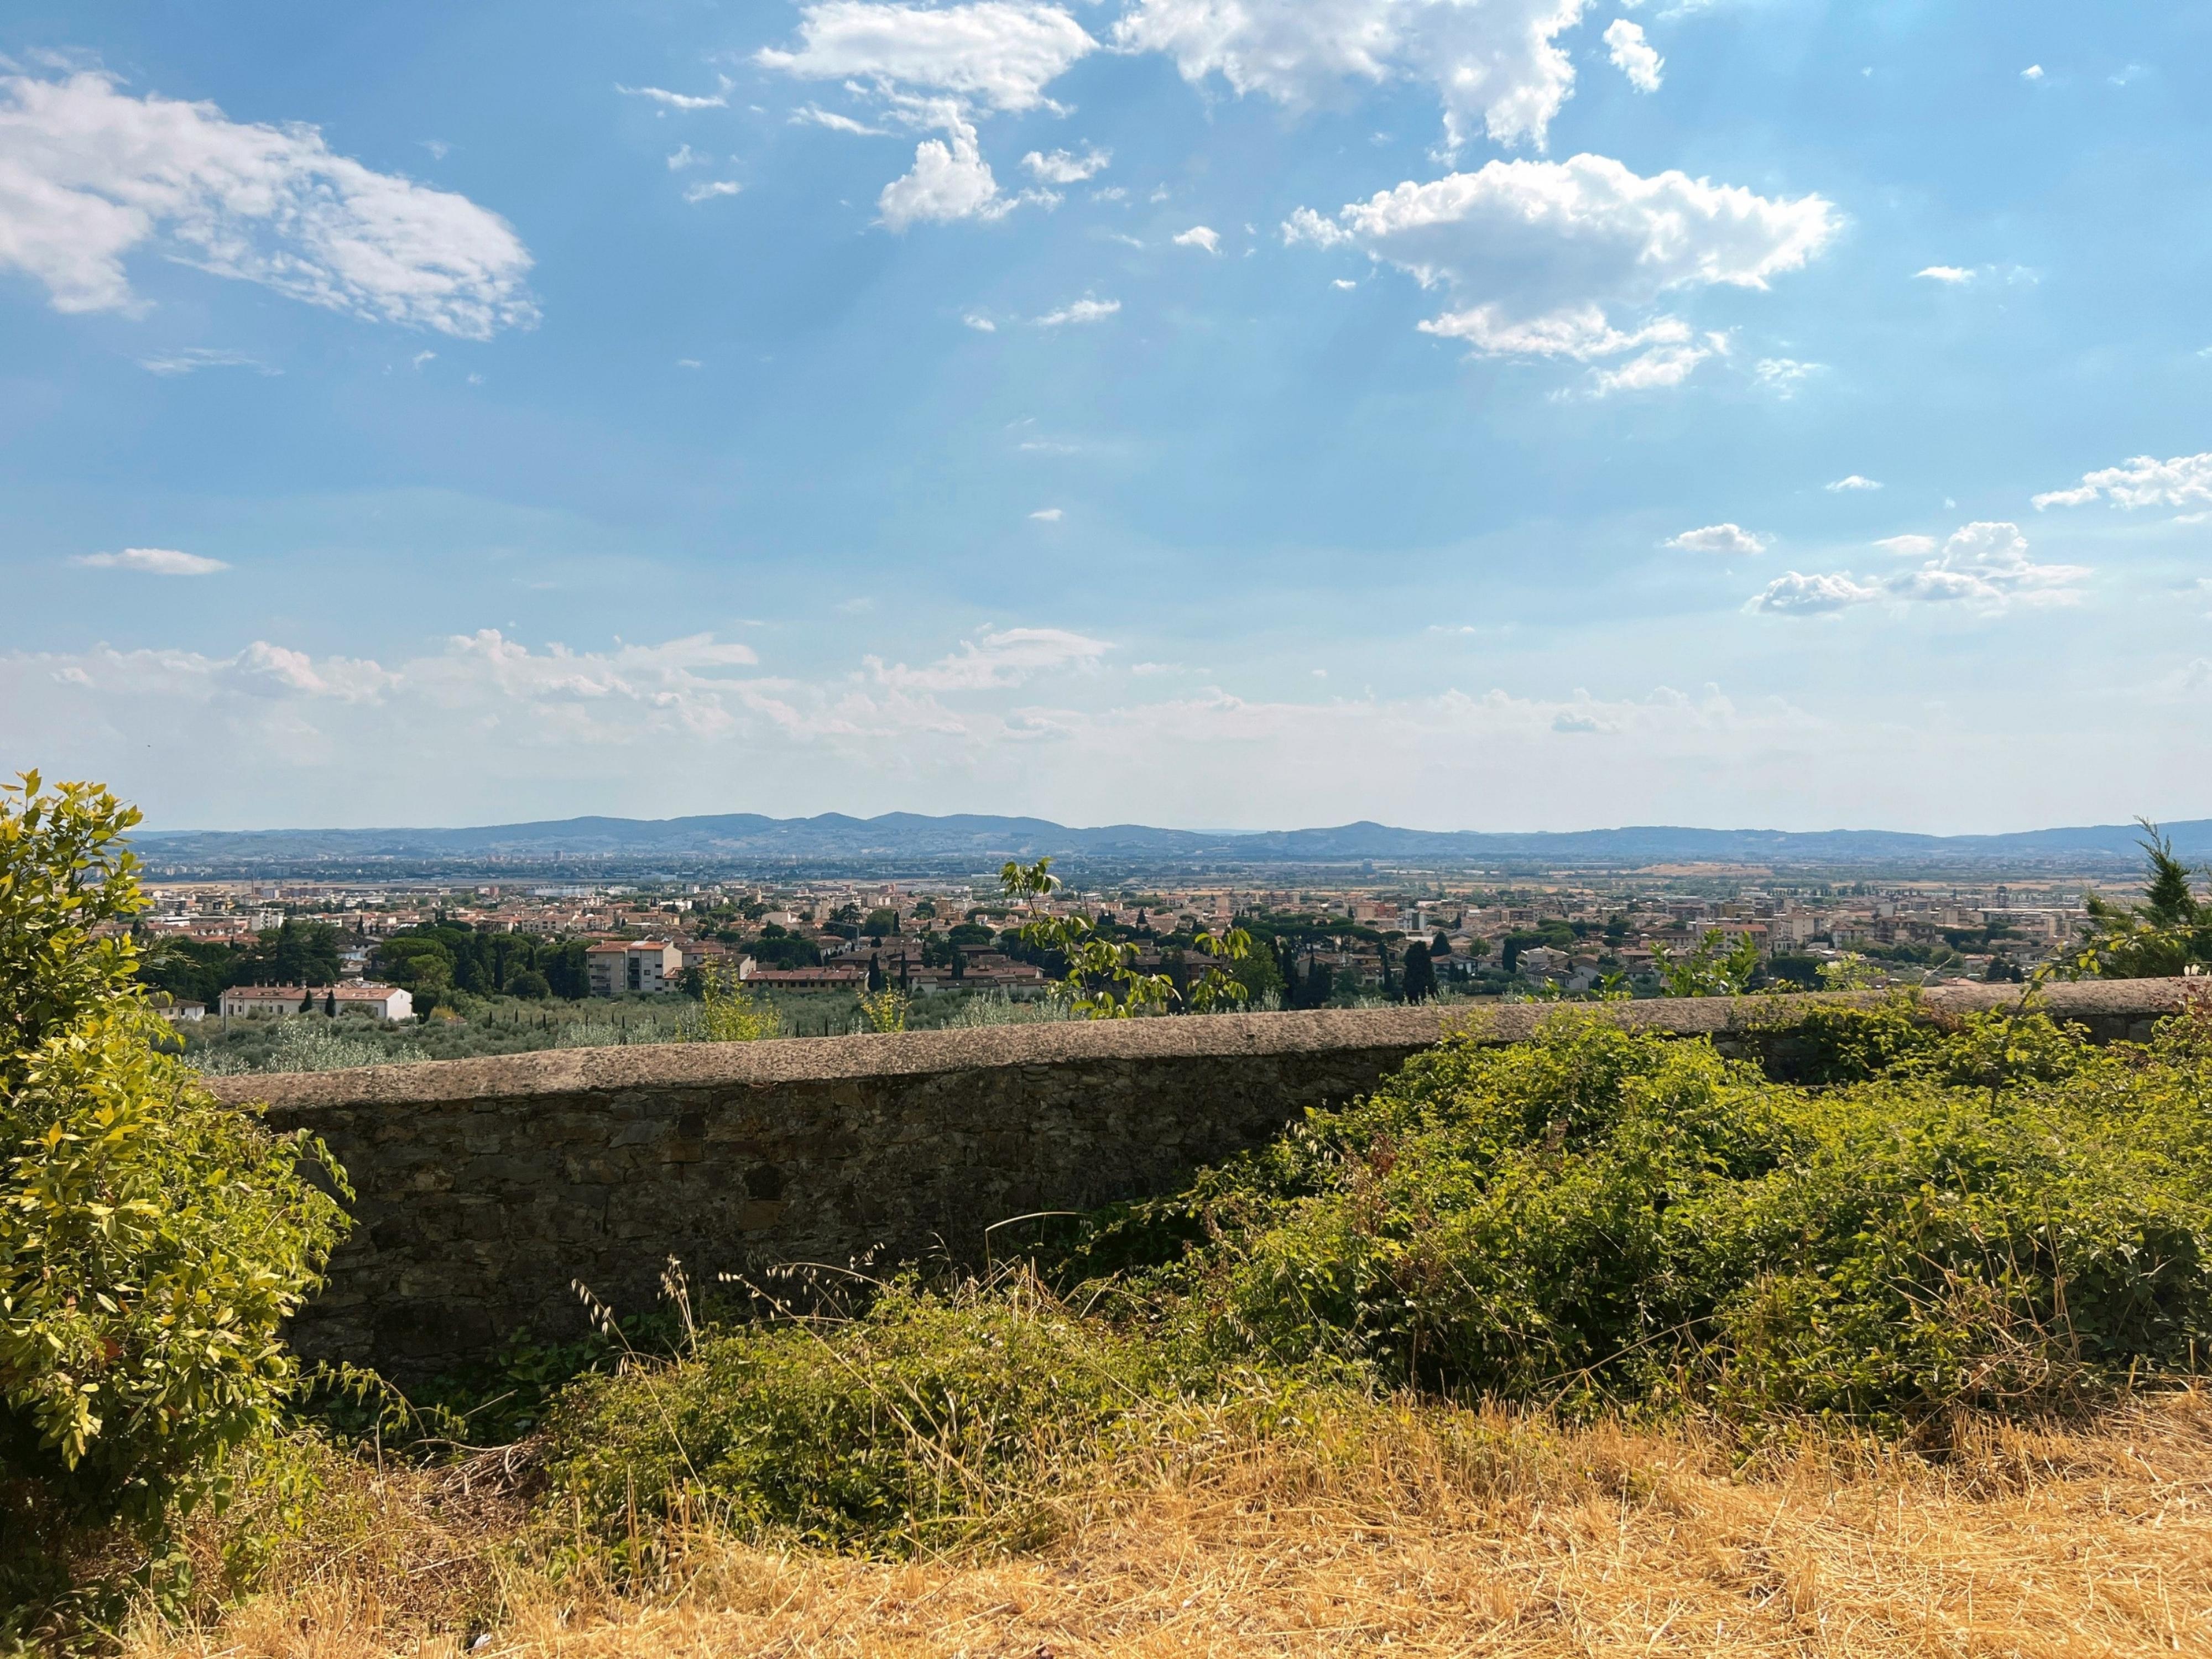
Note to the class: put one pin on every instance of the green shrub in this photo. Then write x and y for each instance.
(2004, 1217)
(152, 1240)
(933, 1418)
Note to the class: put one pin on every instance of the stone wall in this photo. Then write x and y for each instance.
(485, 1186)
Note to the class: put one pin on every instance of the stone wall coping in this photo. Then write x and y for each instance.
(608, 1071)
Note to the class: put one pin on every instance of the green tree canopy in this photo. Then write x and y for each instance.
(152, 1239)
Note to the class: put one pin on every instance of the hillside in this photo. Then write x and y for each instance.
(969, 842)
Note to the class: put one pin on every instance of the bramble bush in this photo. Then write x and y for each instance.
(1992, 1216)
(934, 1417)
(2001, 1216)
(152, 1239)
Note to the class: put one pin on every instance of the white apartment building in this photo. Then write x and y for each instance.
(637, 964)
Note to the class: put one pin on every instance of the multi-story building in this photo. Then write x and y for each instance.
(637, 964)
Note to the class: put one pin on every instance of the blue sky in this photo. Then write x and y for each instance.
(1509, 415)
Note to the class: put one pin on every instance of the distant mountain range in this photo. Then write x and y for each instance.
(910, 842)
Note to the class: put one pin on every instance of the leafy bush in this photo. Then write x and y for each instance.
(152, 1240)
(933, 1418)
(729, 1012)
(1999, 1216)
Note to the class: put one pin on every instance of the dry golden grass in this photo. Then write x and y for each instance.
(1420, 1531)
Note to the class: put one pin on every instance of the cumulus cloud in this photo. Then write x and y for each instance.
(1985, 564)
(2183, 481)
(1953, 274)
(999, 53)
(1796, 593)
(707, 190)
(1545, 251)
(951, 180)
(1633, 55)
(1200, 236)
(89, 175)
(1001, 657)
(1853, 482)
(153, 562)
(937, 67)
(1497, 67)
(1062, 168)
(1081, 311)
(1732, 539)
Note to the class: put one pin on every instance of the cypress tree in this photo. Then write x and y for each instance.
(1420, 981)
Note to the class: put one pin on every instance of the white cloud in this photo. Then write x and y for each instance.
(1200, 236)
(685, 156)
(193, 359)
(2183, 481)
(1048, 515)
(1081, 311)
(1985, 564)
(1060, 168)
(934, 68)
(707, 190)
(949, 181)
(1951, 274)
(1545, 249)
(1797, 594)
(500, 730)
(814, 115)
(1783, 375)
(1001, 53)
(1732, 539)
(2033, 72)
(1003, 657)
(668, 100)
(979, 323)
(153, 560)
(1343, 282)
(1497, 66)
(89, 175)
(1854, 482)
(1658, 368)
(1633, 55)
